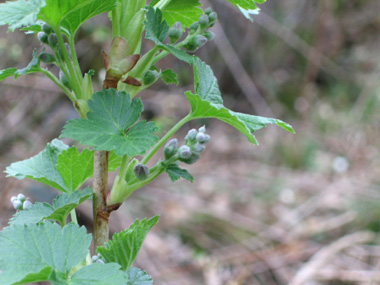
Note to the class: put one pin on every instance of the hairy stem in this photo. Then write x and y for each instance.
(59, 84)
(101, 215)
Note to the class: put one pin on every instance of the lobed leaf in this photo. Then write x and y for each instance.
(207, 103)
(175, 173)
(124, 246)
(30, 253)
(111, 115)
(169, 76)
(137, 276)
(59, 210)
(99, 274)
(184, 11)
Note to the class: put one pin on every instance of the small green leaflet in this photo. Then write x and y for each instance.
(33, 66)
(59, 210)
(175, 173)
(124, 246)
(20, 13)
(184, 11)
(157, 30)
(246, 4)
(169, 76)
(99, 274)
(137, 276)
(207, 103)
(111, 115)
(30, 253)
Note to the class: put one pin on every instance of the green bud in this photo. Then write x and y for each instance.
(42, 37)
(21, 197)
(209, 35)
(53, 40)
(141, 171)
(198, 147)
(212, 18)
(208, 11)
(47, 57)
(14, 198)
(195, 42)
(63, 79)
(194, 27)
(26, 205)
(201, 137)
(17, 204)
(47, 29)
(175, 32)
(150, 77)
(194, 157)
(203, 22)
(184, 152)
(202, 129)
(191, 135)
(171, 148)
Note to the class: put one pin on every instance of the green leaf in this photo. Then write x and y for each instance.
(59, 210)
(184, 11)
(20, 13)
(207, 103)
(175, 173)
(246, 4)
(42, 167)
(156, 28)
(169, 76)
(75, 168)
(137, 276)
(70, 14)
(114, 161)
(33, 66)
(30, 253)
(99, 274)
(124, 246)
(57, 166)
(106, 125)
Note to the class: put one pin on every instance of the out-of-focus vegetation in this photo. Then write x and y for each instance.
(294, 209)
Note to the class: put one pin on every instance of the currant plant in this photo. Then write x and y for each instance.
(40, 244)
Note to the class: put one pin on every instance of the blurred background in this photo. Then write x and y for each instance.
(298, 209)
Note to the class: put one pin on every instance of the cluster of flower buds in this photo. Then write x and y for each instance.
(20, 202)
(97, 259)
(199, 33)
(190, 152)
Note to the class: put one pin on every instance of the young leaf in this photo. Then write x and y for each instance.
(19, 13)
(74, 167)
(175, 173)
(33, 66)
(137, 276)
(42, 167)
(114, 161)
(246, 4)
(59, 210)
(70, 14)
(169, 76)
(30, 253)
(105, 128)
(207, 103)
(99, 274)
(184, 11)
(124, 246)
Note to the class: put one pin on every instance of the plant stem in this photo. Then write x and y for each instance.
(60, 85)
(101, 215)
(73, 216)
(164, 139)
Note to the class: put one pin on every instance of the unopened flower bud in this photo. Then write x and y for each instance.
(194, 27)
(212, 19)
(191, 135)
(208, 11)
(199, 147)
(47, 29)
(27, 205)
(171, 148)
(150, 77)
(175, 32)
(209, 35)
(17, 204)
(203, 22)
(21, 197)
(201, 137)
(194, 157)
(197, 41)
(47, 57)
(100, 261)
(52, 40)
(63, 79)
(202, 129)
(14, 198)
(141, 171)
(184, 152)
(42, 37)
